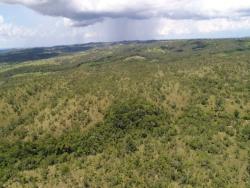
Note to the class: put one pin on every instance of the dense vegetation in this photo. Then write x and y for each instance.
(134, 114)
(22, 55)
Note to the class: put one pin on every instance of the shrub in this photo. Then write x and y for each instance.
(135, 113)
(219, 106)
(236, 114)
(245, 133)
(130, 145)
(196, 144)
(64, 170)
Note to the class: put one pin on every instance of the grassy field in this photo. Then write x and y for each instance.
(134, 114)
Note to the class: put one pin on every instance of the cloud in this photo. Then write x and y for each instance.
(80, 21)
(88, 12)
(8, 30)
(173, 27)
(186, 27)
(219, 25)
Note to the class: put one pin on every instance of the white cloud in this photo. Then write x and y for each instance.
(173, 27)
(79, 21)
(184, 27)
(8, 30)
(87, 12)
(219, 25)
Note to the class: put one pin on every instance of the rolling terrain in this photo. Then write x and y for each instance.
(127, 114)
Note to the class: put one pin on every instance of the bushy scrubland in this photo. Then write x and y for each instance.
(156, 114)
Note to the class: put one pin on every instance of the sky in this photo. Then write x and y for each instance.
(35, 23)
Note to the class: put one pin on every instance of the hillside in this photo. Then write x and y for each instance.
(132, 114)
(29, 54)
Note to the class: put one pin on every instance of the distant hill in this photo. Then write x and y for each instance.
(29, 54)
